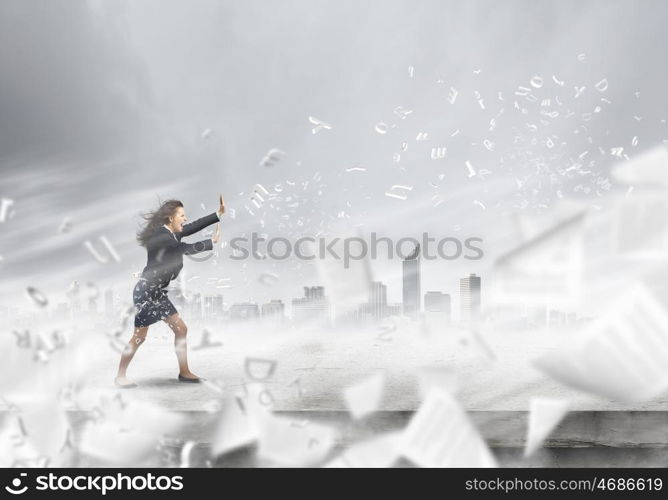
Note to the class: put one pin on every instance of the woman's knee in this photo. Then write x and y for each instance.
(180, 329)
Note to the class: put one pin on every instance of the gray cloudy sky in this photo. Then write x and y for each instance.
(103, 105)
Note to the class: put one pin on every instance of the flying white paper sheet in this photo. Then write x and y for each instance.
(47, 427)
(15, 446)
(650, 167)
(346, 281)
(109, 442)
(545, 270)
(236, 428)
(378, 452)
(242, 417)
(293, 443)
(641, 226)
(441, 435)
(544, 415)
(128, 433)
(530, 225)
(622, 356)
(364, 397)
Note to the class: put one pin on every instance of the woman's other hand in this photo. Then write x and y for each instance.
(216, 235)
(221, 209)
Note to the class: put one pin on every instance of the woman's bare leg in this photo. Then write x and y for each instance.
(180, 346)
(137, 339)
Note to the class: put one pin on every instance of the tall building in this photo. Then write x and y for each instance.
(314, 305)
(469, 298)
(411, 284)
(378, 300)
(213, 306)
(208, 308)
(273, 310)
(437, 302)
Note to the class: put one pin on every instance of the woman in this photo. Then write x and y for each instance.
(162, 238)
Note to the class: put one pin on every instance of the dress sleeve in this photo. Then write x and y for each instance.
(198, 225)
(169, 244)
(198, 247)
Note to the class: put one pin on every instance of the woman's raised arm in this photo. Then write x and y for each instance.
(199, 224)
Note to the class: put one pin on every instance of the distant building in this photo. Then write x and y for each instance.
(469, 297)
(556, 318)
(196, 307)
(411, 284)
(244, 311)
(273, 310)
(213, 306)
(584, 320)
(377, 300)
(438, 302)
(394, 309)
(537, 316)
(313, 306)
(561, 319)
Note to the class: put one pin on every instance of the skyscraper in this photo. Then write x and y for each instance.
(411, 284)
(469, 298)
(378, 300)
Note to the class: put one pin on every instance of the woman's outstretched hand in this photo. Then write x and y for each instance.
(216, 235)
(221, 209)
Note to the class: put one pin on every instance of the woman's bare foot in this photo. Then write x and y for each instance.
(124, 382)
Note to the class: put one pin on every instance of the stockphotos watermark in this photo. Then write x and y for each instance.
(260, 247)
(101, 483)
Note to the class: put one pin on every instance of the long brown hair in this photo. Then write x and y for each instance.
(156, 219)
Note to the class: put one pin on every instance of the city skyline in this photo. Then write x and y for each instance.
(208, 306)
(313, 305)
